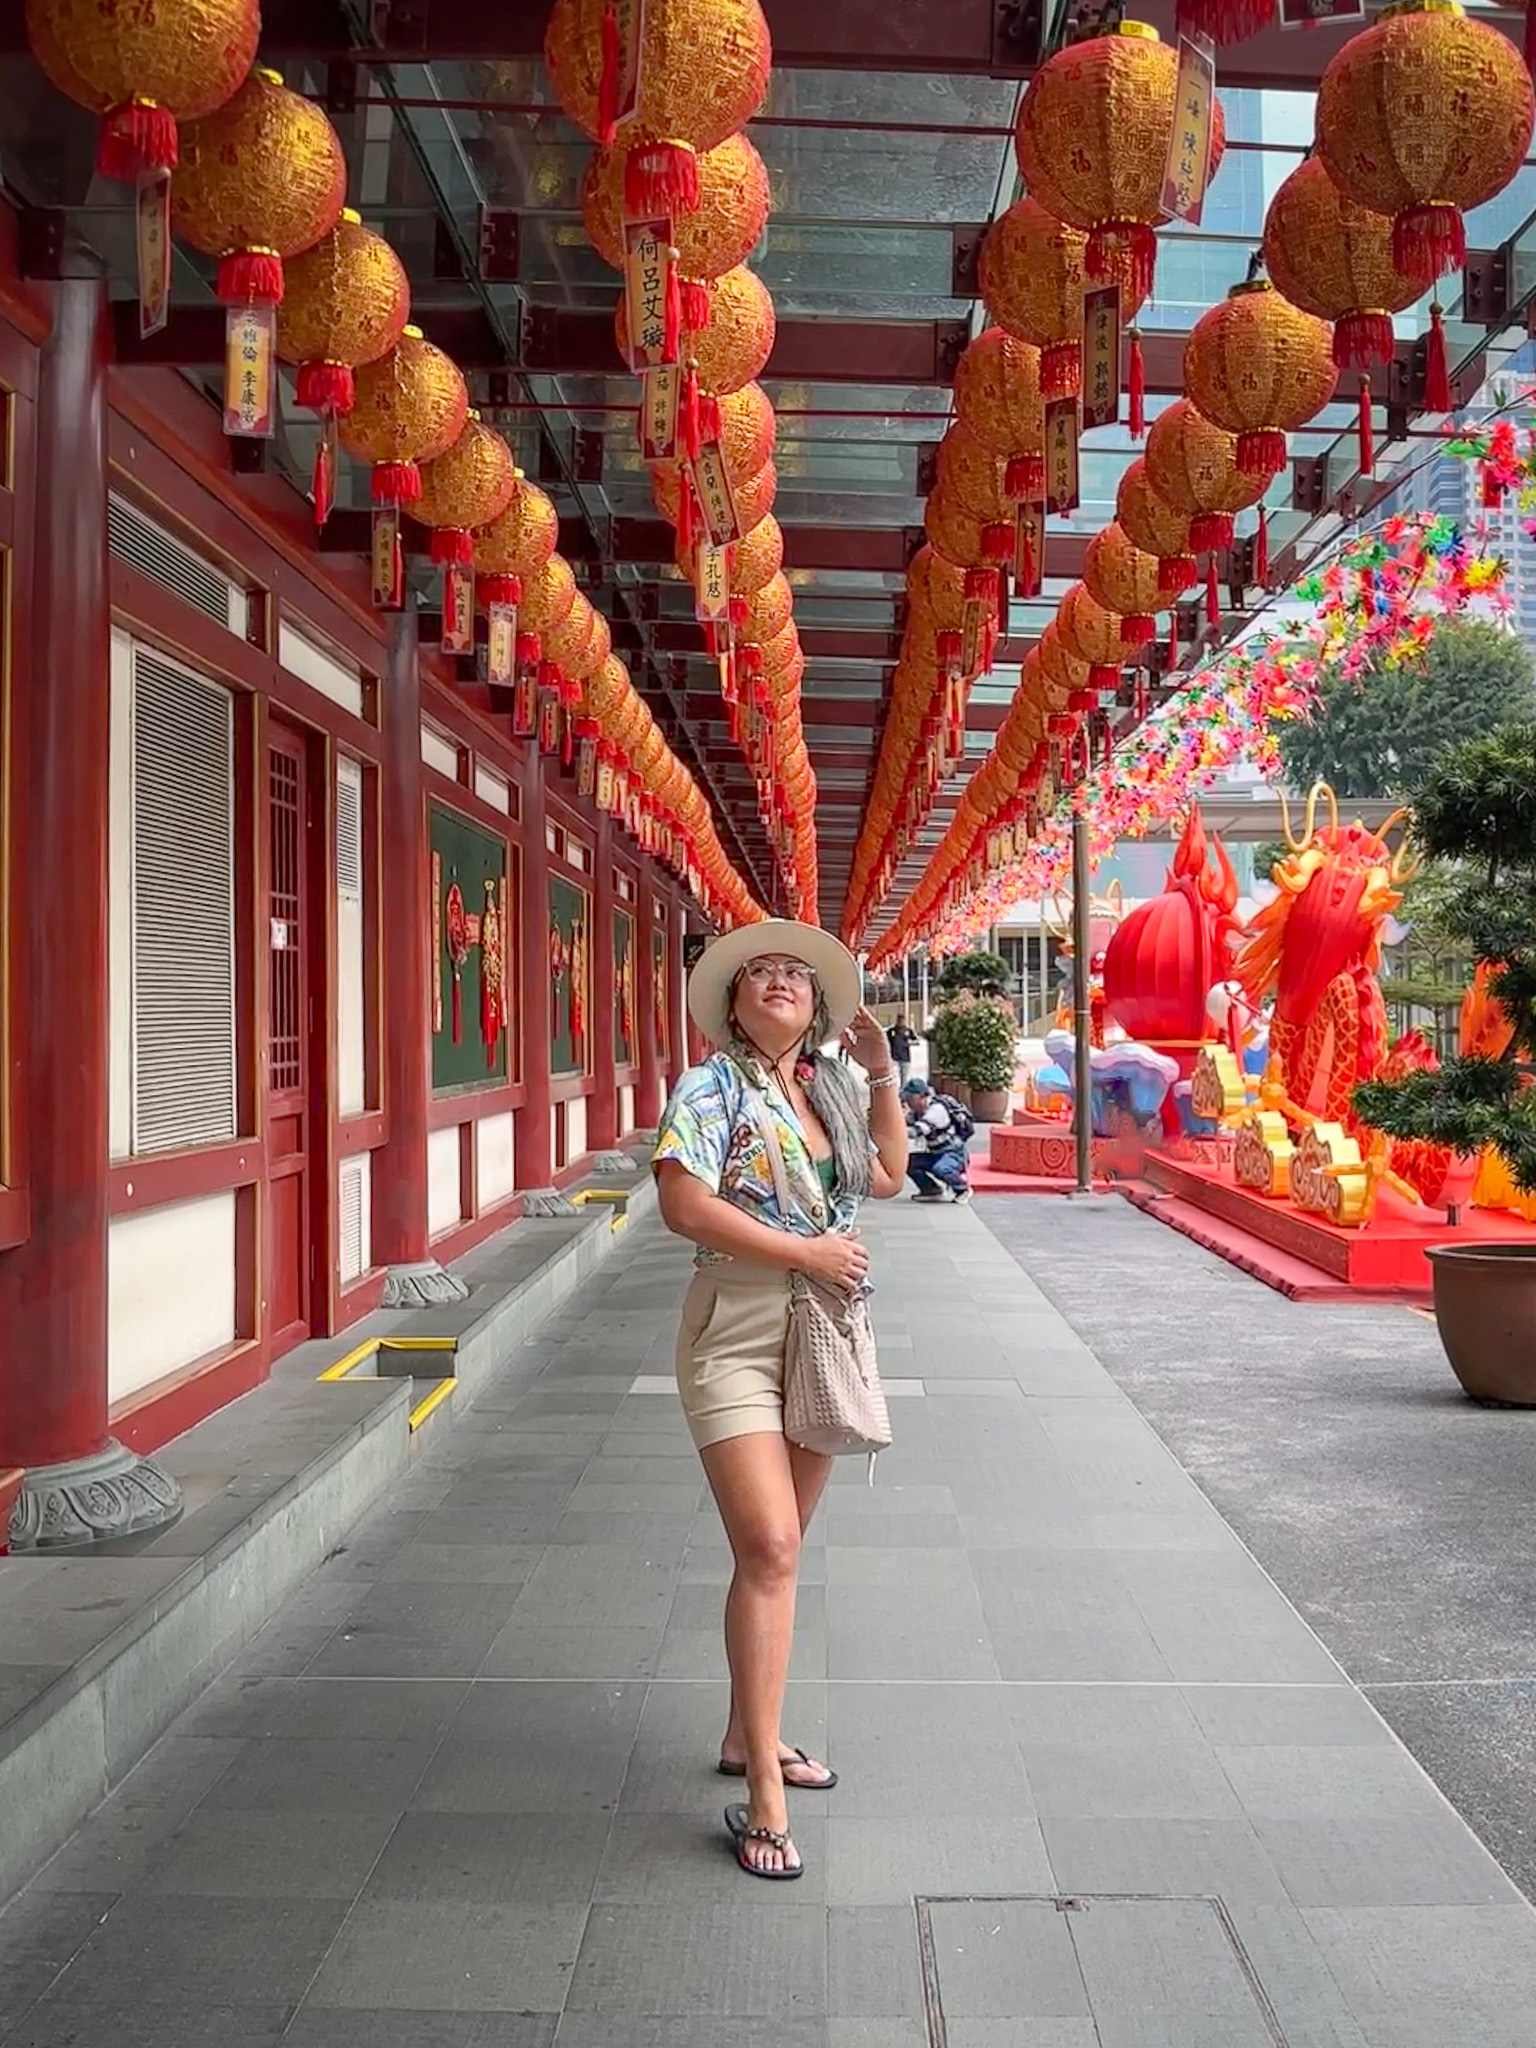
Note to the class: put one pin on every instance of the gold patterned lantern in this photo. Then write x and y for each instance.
(1032, 273)
(731, 340)
(1153, 525)
(977, 479)
(468, 485)
(1125, 581)
(1093, 139)
(1333, 258)
(957, 536)
(754, 497)
(1094, 635)
(1422, 116)
(144, 69)
(1193, 467)
(1259, 367)
(757, 557)
(1062, 674)
(346, 302)
(260, 179)
(514, 546)
(998, 396)
(565, 641)
(408, 408)
(548, 594)
(768, 611)
(711, 238)
(678, 76)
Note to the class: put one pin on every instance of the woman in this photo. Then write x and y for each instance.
(768, 995)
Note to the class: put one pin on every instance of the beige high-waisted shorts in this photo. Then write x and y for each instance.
(730, 1351)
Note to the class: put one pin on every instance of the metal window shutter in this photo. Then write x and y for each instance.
(172, 564)
(349, 829)
(352, 1233)
(183, 907)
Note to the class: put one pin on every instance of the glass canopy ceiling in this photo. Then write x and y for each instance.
(872, 172)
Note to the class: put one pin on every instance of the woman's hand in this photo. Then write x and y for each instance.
(835, 1260)
(867, 1042)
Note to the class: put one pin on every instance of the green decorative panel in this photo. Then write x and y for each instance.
(660, 994)
(570, 978)
(473, 945)
(626, 1030)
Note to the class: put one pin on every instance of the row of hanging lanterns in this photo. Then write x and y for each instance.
(253, 176)
(1418, 117)
(676, 198)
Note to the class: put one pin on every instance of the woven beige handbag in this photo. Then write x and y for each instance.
(834, 1403)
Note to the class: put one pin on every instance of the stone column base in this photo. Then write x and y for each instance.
(92, 1500)
(424, 1285)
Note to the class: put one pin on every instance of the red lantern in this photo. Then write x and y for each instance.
(1259, 367)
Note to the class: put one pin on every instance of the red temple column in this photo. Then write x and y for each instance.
(649, 1089)
(603, 1104)
(534, 1152)
(81, 1486)
(399, 1192)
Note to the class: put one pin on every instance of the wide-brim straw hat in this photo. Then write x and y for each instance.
(837, 972)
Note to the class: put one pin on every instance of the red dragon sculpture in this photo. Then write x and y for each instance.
(1316, 950)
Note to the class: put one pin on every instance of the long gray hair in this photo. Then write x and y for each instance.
(830, 1089)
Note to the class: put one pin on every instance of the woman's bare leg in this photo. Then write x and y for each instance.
(754, 1489)
(809, 1474)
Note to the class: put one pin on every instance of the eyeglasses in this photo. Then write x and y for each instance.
(793, 973)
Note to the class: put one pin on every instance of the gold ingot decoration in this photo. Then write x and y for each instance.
(522, 538)
(997, 393)
(1121, 578)
(1260, 368)
(1329, 1178)
(346, 302)
(1217, 1086)
(1333, 258)
(1192, 466)
(1422, 116)
(1093, 139)
(144, 69)
(714, 237)
(702, 68)
(262, 176)
(1263, 1155)
(407, 408)
(1033, 275)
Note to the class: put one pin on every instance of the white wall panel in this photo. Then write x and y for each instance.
(445, 1194)
(170, 1290)
(495, 1168)
(351, 1071)
(120, 870)
(626, 1110)
(575, 1129)
(322, 671)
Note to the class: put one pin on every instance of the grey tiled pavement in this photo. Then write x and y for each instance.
(1101, 1786)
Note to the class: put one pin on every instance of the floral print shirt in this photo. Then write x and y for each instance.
(713, 1127)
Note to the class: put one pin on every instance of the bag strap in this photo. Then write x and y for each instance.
(763, 1115)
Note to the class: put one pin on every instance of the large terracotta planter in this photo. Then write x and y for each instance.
(942, 1083)
(1485, 1306)
(989, 1105)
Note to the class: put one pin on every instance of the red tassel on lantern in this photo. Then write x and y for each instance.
(1137, 628)
(136, 140)
(1138, 388)
(687, 515)
(452, 546)
(1102, 677)
(1437, 369)
(323, 476)
(695, 305)
(250, 277)
(1061, 369)
(325, 387)
(672, 310)
(1212, 594)
(661, 180)
(1360, 339)
(693, 438)
(530, 650)
(1173, 641)
(1024, 479)
(1427, 241)
(1367, 431)
(1176, 573)
(1209, 530)
(1225, 21)
(1261, 551)
(1261, 452)
(396, 483)
(501, 590)
(1123, 251)
(997, 543)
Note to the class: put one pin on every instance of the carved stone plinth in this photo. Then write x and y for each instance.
(423, 1285)
(92, 1500)
(617, 1165)
(548, 1202)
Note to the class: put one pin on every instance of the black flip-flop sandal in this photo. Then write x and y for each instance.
(730, 1770)
(742, 1832)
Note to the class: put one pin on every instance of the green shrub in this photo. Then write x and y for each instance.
(975, 1038)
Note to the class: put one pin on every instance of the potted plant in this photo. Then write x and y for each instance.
(1477, 808)
(943, 1071)
(985, 1053)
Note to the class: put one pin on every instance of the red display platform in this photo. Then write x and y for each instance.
(1041, 1148)
(1299, 1254)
